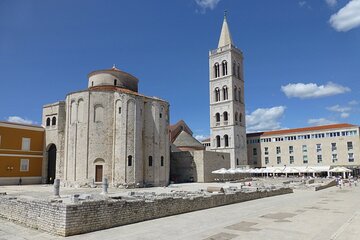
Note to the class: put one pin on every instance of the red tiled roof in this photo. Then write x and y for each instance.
(309, 129)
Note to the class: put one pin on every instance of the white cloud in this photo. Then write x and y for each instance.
(302, 3)
(200, 137)
(264, 119)
(353, 102)
(320, 121)
(344, 115)
(343, 110)
(331, 3)
(312, 90)
(16, 119)
(207, 4)
(338, 108)
(347, 17)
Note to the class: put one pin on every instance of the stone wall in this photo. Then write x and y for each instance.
(327, 185)
(77, 218)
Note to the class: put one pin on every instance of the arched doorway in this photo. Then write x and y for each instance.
(51, 164)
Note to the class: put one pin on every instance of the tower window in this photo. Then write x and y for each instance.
(240, 117)
(226, 116)
(217, 117)
(226, 138)
(129, 160)
(162, 161)
(236, 117)
(234, 68)
(115, 82)
(216, 70)
(160, 115)
(150, 161)
(224, 68)
(218, 144)
(48, 122)
(235, 94)
(238, 71)
(225, 93)
(92, 83)
(119, 110)
(240, 95)
(53, 121)
(217, 94)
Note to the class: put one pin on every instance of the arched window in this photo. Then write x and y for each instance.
(217, 94)
(240, 117)
(224, 68)
(216, 70)
(98, 113)
(162, 161)
(238, 71)
(234, 69)
(226, 116)
(225, 93)
(150, 161)
(236, 117)
(235, 93)
(240, 95)
(237, 162)
(226, 138)
(53, 121)
(217, 117)
(218, 141)
(129, 160)
(48, 122)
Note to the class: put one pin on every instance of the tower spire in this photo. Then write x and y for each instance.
(225, 36)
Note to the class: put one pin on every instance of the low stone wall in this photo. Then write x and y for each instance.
(87, 216)
(327, 185)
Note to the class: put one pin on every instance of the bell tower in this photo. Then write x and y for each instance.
(227, 107)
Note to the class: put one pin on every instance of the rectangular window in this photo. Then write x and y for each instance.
(254, 151)
(351, 157)
(266, 160)
(319, 158)
(266, 151)
(24, 165)
(318, 147)
(162, 161)
(278, 150)
(349, 146)
(25, 144)
(291, 149)
(278, 160)
(305, 159)
(334, 158)
(304, 148)
(333, 147)
(291, 159)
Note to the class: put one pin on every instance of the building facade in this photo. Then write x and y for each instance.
(329, 145)
(21, 153)
(227, 108)
(108, 130)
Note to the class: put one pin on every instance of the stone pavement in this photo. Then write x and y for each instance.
(328, 214)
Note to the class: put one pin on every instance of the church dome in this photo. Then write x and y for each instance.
(113, 77)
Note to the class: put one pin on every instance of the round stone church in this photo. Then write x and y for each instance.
(108, 131)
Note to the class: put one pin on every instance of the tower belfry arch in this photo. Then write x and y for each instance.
(227, 108)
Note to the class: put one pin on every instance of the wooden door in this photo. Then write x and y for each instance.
(98, 173)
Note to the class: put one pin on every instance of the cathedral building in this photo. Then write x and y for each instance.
(227, 107)
(108, 130)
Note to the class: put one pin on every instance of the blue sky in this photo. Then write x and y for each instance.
(302, 58)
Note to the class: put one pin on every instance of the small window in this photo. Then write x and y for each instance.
(291, 159)
(254, 151)
(226, 138)
(305, 159)
(115, 82)
(319, 158)
(218, 144)
(351, 157)
(349, 146)
(266, 160)
(25, 144)
(266, 151)
(160, 115)
(278, 160)
(291, 149)
(129, 160)
(162, 161)
(119, 110)
(53, 121)
(150, 161)
(48, 122)
(304, 148)
(92, 84)
(226, 116)
(278, 150)
(217, 117)
(24, 165)
(237, 162)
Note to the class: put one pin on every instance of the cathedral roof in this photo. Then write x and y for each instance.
(184, 139)
(225, 36)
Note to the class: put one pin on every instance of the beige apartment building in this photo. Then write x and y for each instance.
(329, 145)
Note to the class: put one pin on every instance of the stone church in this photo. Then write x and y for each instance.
(108, 130)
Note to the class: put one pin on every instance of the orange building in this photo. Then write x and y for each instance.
(21, 153)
